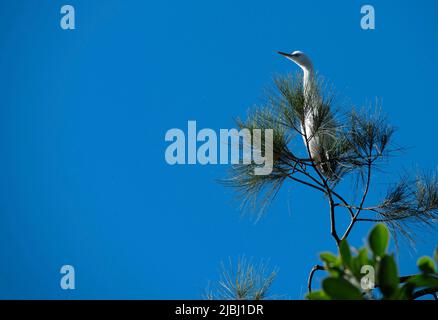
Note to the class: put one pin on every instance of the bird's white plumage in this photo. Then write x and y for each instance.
(312, 101)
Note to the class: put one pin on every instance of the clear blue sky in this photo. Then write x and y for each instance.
(83, 116)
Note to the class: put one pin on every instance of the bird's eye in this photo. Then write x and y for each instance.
(297, 55)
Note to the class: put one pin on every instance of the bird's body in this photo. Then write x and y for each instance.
(308, 78)
(311, 136)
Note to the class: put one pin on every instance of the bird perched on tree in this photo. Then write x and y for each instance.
(314, 135)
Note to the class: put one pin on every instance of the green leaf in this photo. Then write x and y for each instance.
(344, 251)
(426, 264)
(329, 258)
(378, 240)
(435, 255)
(423, 280)
(335, 272)
(363, 257)
(317, 295)
(355, 266)
(405, 292)
(388, 276)
(359, 261)
(341, 289)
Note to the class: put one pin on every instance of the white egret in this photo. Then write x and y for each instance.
(311, 100)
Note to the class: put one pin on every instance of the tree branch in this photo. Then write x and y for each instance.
(421, 293)
(333, 231)
(374, 209)
(312, 272)
(346, 205)
(340, 198)
(306, 183)
(356, 216)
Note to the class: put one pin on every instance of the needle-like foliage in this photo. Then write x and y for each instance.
(365, 140)
(343, 143)
(245, 281)
(257, 190)
(409, 203)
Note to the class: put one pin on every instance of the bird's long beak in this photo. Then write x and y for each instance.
(287, 55)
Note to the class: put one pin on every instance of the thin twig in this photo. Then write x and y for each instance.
(340, 198)
(306, 183)
(333, 231)
(356, 216)
(344, 202)
(420, 293)
(312, 272)
(374, 209)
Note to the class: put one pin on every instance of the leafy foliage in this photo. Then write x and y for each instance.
(347, 279)
(378, 240)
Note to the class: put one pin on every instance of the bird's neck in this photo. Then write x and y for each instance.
(308, 77)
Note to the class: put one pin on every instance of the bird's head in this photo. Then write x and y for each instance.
(299, 58)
